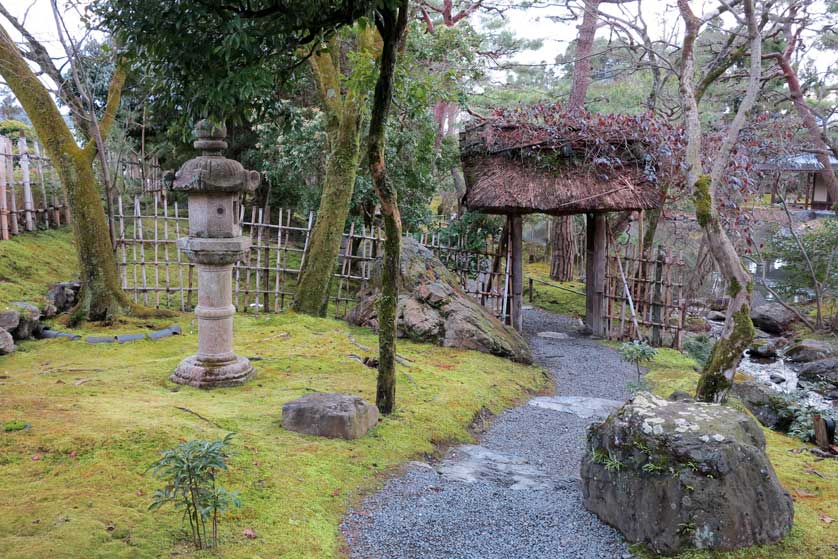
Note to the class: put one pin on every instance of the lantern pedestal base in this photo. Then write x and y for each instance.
(202, 374)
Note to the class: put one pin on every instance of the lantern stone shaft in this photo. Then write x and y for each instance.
(214, 185)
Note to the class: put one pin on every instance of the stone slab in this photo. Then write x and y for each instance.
(580, 406)
(328, 414)
(474, 463)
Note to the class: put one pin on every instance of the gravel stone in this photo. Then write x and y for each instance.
(425, 514)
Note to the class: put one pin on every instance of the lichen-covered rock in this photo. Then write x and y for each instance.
(673, 475)
(327, 414)
(767, 405)
(806, 351)
(62, 295)
(773, 318)
(7, 343)
(434, 309)
(29, 325)
(763, 349)
(9, 320)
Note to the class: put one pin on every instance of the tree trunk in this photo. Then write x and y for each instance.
(343, 133)
(561, 267)
(101, 298)
(391, 23)
(563, 248)
(313, 285)
(717, 375)
(816, 134)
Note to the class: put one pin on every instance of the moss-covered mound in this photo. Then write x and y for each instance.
(76, 485)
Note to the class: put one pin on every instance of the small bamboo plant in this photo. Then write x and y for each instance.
(190, 470)
(637, 352)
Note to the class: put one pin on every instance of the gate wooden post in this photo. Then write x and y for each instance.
(658, 300)
(595, 272)
(516, 230)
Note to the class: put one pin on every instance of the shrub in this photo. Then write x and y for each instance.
(637, 352)
(699, 348)
(190, 471)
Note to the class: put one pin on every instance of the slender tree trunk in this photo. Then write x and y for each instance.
(816, 133)
(101, 297)
(717, 375)
(563, 248)
(561, 268)
(312, 296)
(343, 127)
(391, 23)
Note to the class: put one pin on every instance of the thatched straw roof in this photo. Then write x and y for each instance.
(560, 163)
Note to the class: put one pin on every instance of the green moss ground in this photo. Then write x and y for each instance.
(99, 415)
(548, 297)
(812, 483)
(29, 262)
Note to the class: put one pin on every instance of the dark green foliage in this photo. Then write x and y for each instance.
(14, 425)
(637, 352)
(11, 128)
(821, 243)
(190, 471)
(699, 348)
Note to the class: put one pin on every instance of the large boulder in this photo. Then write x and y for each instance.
(806, 351)
(7, 343)
(673, 475)
(773, 318)
(433, 308)
(763, 349)
(767, 405)
(327, 414)
(9, 320)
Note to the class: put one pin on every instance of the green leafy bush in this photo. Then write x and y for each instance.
(14, 425)
(699, 348)
(190, 471)
(637, 352)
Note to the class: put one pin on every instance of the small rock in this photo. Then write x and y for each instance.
(763, 349)
(777, 379)
(7, 343)
(9, 320)
(716, 316)
(681, 396)
(553, 335)
(327, 414)
(30, 321)
(767, 405)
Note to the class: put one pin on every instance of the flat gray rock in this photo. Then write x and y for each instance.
(553, 335)
(580, 406)
(327, 414)
(472, 463)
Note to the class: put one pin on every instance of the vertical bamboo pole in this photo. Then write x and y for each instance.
(14, 224)
(156, 256)
(657, 298)
(167, 277)
(143, 273)
(257, 248)
(180, 283)
(42, 181)
(124, 270)
(136, 260)
(28, 202)
(4, 209)
(266, 255)
(277, 283)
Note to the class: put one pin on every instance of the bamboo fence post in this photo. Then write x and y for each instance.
(156, 257)
(277, 280)
(28, 202)
(256, 247)
(143, 273)
(14, 224)
(135, 258)
(249, 260)
(167, 277)
(237, 265)
(42, 180)
(183, 305)
(266, 255)
(124, 271)
(4, 209)
(657, 298)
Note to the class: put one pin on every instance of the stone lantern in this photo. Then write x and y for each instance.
(214, 185)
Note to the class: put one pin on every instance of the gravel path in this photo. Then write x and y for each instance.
(517, 493)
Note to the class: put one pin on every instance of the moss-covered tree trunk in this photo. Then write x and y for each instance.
(717, 375)
(343, 113)
(101, 297)
(391, 23)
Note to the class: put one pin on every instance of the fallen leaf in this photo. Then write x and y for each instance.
(336, 492)
(827, 519)
(37, 457)
(249, 534)
(140, 492)
(81, 381)
(803, 493)
(73, 454)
